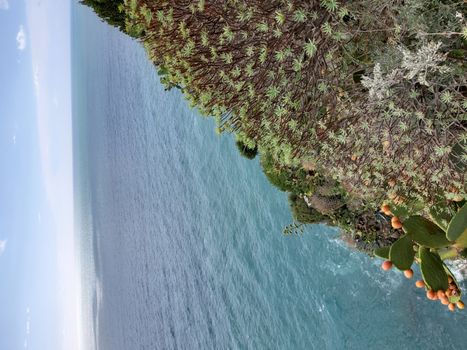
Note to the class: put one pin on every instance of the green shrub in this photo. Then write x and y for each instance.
(245, 151)
(302, 213)
(109, 10)
(284, 76)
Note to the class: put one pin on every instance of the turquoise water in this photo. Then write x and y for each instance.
(181, 237)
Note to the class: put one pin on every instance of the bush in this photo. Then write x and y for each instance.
(245, 151)
(302, 213)
(282, 74)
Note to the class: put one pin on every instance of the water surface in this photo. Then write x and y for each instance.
(182, 237)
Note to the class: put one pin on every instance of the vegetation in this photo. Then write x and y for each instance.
(350, 104)
(284, 75)
(109, 10)
(427, 244)
(302, 213)
(245, 151)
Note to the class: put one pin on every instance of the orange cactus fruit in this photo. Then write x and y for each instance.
(385, 209)
(441, 294)
(420, 284)
(408, 273)
(387, 265)
(430, 294)
(396, 223)
(451, 307)
(445, 301)
(460, 305)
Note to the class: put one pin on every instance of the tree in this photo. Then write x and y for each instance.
(245, 151)
(109, 10)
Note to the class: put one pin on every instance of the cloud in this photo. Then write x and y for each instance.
(4, 5)
(36, 78)
(2, 246)
(28, 328)
(21, 38)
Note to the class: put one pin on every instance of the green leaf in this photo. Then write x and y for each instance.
(433, 270)
(400, 211)
(402, 254)
(326, 28)
(299, 16)
(382, 252)
(464, 33)
(425, 232)
(262, 27)
(462, 241)
(279, 17)
(441, 215)
(458, 225)
(448, 253)
(310, 47)
(330, 5)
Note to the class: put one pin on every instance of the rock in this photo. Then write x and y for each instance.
(459, 268)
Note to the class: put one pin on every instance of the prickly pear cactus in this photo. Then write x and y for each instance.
(457, 229)
(454, 297)
(441, 215)
(426, 243)
(382, 252)
(433, 271)
(425, 232)
(402, 253)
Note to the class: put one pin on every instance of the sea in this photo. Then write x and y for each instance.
(181, 238)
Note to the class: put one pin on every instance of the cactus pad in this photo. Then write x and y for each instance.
(441, 215)
(382, 252)
(458, 226)
(402, 253)
(433, 270)
(425, 232)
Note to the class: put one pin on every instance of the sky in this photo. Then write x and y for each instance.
(39, 265)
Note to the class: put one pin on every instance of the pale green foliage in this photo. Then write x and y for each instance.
(330, 5)
(299, 16)
(361, 91)
(379, 84)
(279, 17)
(426, 60)
(310, 48)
